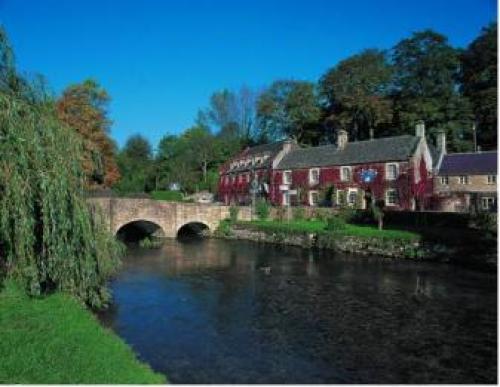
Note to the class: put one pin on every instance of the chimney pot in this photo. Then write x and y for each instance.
(342, 139)
(441, 142)
(420, 129)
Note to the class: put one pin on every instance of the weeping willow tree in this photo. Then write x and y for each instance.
(49, 237)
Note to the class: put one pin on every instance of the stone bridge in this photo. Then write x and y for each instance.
(170, 217)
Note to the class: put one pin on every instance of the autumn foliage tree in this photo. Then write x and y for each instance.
(83, 108)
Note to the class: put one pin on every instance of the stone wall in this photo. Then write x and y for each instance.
(346, 244)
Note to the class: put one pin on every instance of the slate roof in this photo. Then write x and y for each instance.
(270, 149)
(483, 163)
(396, 148)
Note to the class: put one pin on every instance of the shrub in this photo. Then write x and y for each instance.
(233, 213)
(348, 214)
(262, 209)
(335, 223)
(174, 196)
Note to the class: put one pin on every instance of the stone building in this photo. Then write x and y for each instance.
(466, 182)
(252, 167)
(397, 170)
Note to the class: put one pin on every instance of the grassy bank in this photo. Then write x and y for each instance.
(315, 226)
(55, 340)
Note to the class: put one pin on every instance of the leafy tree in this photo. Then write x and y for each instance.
(356, 92)
(426, 74)
(83, 107)
(49, 237)
(479, 83)
(289, 109)
(136, 166)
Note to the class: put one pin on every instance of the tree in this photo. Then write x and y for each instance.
(356, 92)
(426, 70)
(232, 113)
(136, 166)
(479, 83)
(49, 237)
(289, 109)
(83, 107)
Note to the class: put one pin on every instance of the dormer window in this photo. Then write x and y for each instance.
(391, 171)
(345, 173)
(314, 176)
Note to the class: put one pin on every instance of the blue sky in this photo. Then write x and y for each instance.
(160, 60)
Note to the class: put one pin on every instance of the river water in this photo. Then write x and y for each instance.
(216, 311)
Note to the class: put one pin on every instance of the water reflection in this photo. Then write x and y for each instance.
(235, 312)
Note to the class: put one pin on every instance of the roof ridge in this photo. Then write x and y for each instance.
(471, 153)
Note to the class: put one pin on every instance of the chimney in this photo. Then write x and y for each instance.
(288, 144)
(342, 139)
(420, 129)
(371, 134)
(441, 142)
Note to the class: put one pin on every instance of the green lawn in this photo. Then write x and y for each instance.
(55, 340)
(173, 196)
(313, 226)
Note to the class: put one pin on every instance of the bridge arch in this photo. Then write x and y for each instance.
(135, 230)
(193, 228)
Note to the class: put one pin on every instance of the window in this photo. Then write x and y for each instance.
(463, 179)
(391, 197)
(391, 171)
(313, 198)
(351, 198)
(286, 199)
(287, 177)
(345, 173)
(314, 176)
(487, 203)
(492, 179)
(444, 180)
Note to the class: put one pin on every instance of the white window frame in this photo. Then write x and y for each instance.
(387, 169)
(492, 179)
(349, 191)
(463, 179)
(337, 197)
(387, 203)
(342, 176)
(285, 179)
(445, 180)
(487, 202)
(311, 181)
(311, 193)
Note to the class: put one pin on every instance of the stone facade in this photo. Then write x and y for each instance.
(467, 182)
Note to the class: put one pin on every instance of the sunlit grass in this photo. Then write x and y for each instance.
(55, 340)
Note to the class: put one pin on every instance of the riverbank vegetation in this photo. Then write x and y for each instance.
(321, 226)
(49, 238)
(56, 254)
(55, 340)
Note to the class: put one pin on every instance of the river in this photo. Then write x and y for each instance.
(216, 311)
